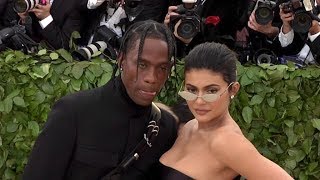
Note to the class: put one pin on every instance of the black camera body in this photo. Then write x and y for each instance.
(264, 11)
(15, 38)
(302, 19)
(190, 18)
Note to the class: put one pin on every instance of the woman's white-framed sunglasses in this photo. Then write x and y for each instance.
(206, 97)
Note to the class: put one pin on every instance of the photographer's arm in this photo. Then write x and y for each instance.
(269, 30)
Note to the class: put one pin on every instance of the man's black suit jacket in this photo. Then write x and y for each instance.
(66, 19)
(87, 134)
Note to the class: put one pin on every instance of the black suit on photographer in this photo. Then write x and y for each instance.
(300, 22)
(50, 23)
(109, 20)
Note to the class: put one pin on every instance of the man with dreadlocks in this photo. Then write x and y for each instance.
(90, 133)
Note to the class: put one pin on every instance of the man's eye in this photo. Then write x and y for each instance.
(164, 68)
(142, 65)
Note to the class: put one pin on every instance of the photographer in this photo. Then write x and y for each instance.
(213, 20)
(310, 49)
(49, 22)
(109, 21)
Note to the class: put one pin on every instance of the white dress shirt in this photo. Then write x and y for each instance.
(46, 21)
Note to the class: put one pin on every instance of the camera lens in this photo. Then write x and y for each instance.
(21, 6)
(263, 15)
(187, 29)
(301, 22)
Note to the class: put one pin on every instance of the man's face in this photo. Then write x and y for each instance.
(144, 79)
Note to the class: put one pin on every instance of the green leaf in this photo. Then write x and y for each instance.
(107, 67)
(9, 58)
(34, 127)
(303, 176)
(289, 123)
(9, 174)
(271, 101)
(306, 145)
(19, 101)
(297, 154)
(256, 99)
(312, 166)
(245, 80)
(290, 164)
(76, 84)
(22, 68)
(77, 71)
(12, 127)
(104, 79)
(96, 70)
(316, 123)
(47, 88)
(247, 114)
(3, 157)
(39, 71)
(65, 54)
(42, 52)
(54, 56)
(13, 94)
(7, 105)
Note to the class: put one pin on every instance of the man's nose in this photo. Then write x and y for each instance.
(151, 76)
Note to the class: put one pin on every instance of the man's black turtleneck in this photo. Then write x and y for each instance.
(88, 133)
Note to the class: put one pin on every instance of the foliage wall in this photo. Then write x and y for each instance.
(277, 107)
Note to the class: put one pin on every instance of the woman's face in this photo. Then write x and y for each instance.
(144, 83)
(202, 82)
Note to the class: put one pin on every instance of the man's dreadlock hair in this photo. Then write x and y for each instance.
(148, 29)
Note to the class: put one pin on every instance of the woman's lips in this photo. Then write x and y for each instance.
(201, 112)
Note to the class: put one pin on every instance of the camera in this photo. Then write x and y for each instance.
(105, 41)
(133, 8)
(302, 19)
(15, 37)
(21, 6)
(190, 19)
(264, 11)
(265, 56)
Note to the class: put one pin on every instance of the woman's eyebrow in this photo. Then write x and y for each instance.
(208, 86)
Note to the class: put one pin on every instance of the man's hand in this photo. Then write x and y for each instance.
(267, 29)
(42, 11)
(315, 28)
(171, 12)
(23, 16)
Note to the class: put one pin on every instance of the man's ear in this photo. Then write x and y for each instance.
(120, 60)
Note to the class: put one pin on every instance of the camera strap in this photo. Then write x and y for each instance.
(142, 146)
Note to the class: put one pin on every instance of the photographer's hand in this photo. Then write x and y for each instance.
(23, 17)
(42, 11)
(315, 28)
(286, 19)
(268, 29)
(170, 13)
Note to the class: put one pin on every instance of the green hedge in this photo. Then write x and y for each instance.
(277, 106)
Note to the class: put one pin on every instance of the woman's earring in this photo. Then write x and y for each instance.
(232, 96)
(121, 69)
